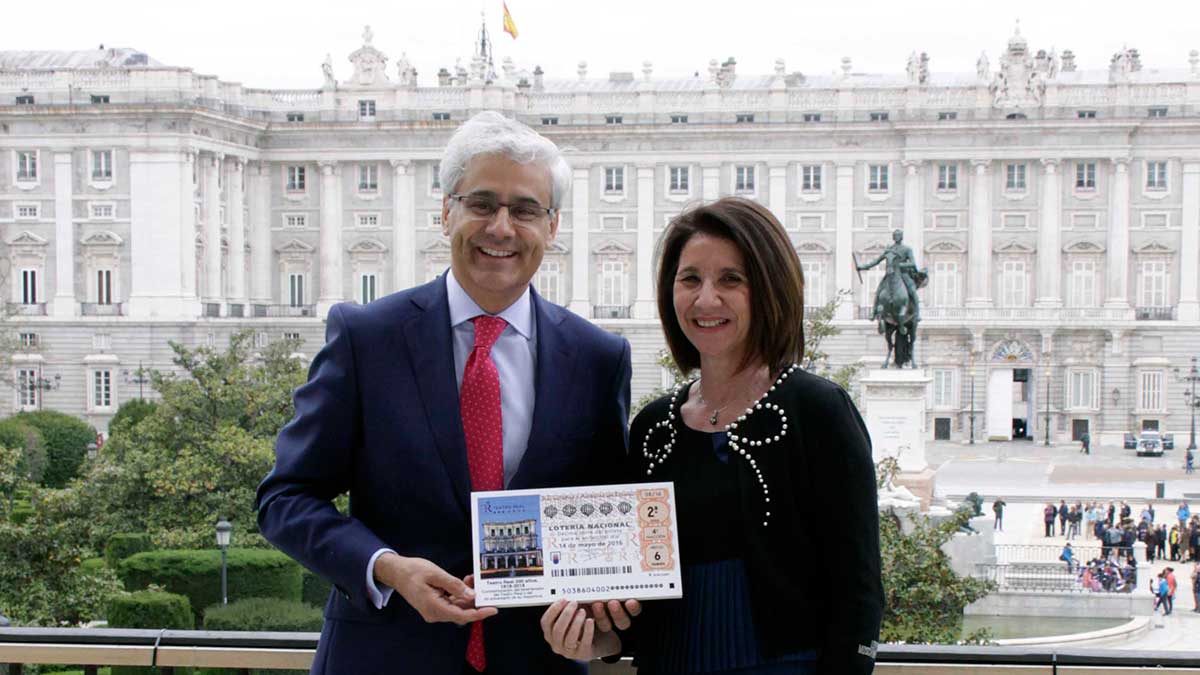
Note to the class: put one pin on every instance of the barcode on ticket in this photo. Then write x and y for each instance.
(590, 571)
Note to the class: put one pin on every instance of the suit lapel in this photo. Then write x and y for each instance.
(430, 346)
(552, 382)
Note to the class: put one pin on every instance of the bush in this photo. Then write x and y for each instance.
(253, 573)
(121, 546)
(91, 565)
(316, 589)
(17, 434)
(66, 439)
(270, 614)
(149, 609)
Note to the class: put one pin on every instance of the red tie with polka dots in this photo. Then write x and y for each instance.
(483, 428)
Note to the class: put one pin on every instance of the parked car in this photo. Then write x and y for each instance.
(1131, 441)
(1150, 444)
(1168, 441)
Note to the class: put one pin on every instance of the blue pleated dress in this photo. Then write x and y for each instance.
(711, 629)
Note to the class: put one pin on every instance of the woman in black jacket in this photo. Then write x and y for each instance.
(774, 481)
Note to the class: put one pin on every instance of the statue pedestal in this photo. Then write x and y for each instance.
(894, 402)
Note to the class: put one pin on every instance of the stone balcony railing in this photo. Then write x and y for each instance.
(278, 311)
(102, 309)
(27, 309)
(610, 312)
(1154, 313)
(167, 650)
(1031, 314)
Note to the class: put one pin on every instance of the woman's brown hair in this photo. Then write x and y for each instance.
(776, 335)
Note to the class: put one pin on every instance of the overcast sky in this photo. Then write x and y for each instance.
(269, 43)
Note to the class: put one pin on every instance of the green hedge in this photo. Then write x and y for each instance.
(65, 439)
(264, 614)
(121, 546)
(91, 565)
(149, 609)
(129, 414)
(316, 590)
(253, 573)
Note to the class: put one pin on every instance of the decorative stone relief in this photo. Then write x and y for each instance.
(1011, 350)
(370, 64)
(1019, 84)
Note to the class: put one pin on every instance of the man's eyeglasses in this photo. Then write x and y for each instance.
(486, 206)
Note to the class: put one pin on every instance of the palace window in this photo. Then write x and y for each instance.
(550, 121)
(28, 211)
(29, 340)
(295, 289)
(27, 169)
(1014, 179)
(29, 287)
(614, 179)
(1013, 284)
(99, 98)
(368, 221)
(810, 178)
(613, 119)
(1156, 175)
(295, 117)
(1083, 283)
(27, 388)
(102, 211)
(1086, 114)
(679, 119)
(1152, 282)
(814, 282)
(368, 177)
(549, 281)
(295, 179)
(1157, 111)
(1083, 389)
(435, 178)
(295, 220)
(441, 117)
(947, 116)
(25, 100)
(812, 117)
(947, 177)
(102, 388)
(945, 284)
(679, 176)
(877, 178)
(944, 391)
(744, 118)
(367, 285)
(366, 110)
(102, 165)
(743, 179)
(1151, 390)
(103, 287)
(879, 117)
(1085, 176)
(613, 283)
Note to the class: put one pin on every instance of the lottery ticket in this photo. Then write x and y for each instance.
(608, 542)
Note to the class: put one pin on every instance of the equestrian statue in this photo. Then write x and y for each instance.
(897, 310)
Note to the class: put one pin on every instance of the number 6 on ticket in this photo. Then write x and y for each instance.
(607, 542)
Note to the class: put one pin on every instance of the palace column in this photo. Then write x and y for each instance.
(1117, 255)
(914, 208)
(330, 258)
(260, 233)
(844, 237)
(1189, 244)
(65, 303)
(710, 182)
(979, 240)
(777, 180)
(212, 229)
(1049, 250)
(581, 302)
(187, 233)
(237, 233)
(404, 234)
(643, 304)
(161, 234)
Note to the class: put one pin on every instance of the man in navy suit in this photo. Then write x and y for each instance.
(471, 381)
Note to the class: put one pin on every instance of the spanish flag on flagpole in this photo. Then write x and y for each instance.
(509, 26)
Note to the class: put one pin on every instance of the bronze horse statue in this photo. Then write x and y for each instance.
(897, 308)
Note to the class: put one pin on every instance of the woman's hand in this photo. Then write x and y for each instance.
(570, 632)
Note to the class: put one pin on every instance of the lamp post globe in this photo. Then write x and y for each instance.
(224, 533)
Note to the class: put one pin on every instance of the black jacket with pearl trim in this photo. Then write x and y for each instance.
(812, 524)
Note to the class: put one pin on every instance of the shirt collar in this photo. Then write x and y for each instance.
(463, 308)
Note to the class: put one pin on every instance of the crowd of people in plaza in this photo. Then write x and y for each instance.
(1113, 526)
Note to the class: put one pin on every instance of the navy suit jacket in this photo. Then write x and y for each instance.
(379, 418)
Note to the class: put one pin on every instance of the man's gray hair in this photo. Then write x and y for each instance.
(490, 133)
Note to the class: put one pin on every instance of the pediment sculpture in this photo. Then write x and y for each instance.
(370, 64)
(1020, 83)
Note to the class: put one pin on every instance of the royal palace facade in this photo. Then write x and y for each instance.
(1057, 209)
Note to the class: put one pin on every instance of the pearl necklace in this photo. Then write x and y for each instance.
(740, 445)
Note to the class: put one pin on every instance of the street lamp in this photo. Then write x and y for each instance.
(92, 449)
(1189, 397)
(224, 530)
(1047, 399)
(971, 376)
(138, 377)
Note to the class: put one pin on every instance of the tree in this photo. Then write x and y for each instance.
(65, 439)
(199, 453)
(924, 597)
